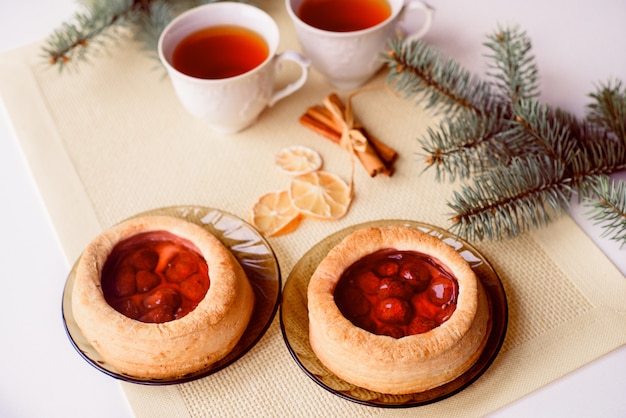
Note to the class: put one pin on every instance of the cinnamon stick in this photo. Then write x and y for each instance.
(319, 127)
(322, 114)
(384, 152)
(320, 123)
(376, 158)
(388, 154)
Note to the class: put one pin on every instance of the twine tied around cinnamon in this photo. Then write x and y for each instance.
(352, 138)
(336, 121)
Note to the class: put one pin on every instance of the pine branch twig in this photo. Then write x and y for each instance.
(608, 209)
(508, 200)
(98, 23)
(512, 65)
(442, 84)
(465, 145)
(609, 108)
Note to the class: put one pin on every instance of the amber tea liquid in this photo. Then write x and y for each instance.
(344, 15)
(220, 52)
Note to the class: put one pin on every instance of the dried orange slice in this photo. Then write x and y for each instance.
(298, 159)
(320, 194)
(274, 214)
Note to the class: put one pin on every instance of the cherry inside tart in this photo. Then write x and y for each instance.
(159, 297)
(155, 277)
(396, 311)
(396, 293)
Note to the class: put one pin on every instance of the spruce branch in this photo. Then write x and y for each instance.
(512, 65)
(525, 159)
(467, 144)
(156, 16)
(600, 151)
(536, 129)
(595, 161)
(99, 23)
(609, 108)
(608, 209)
(508, 200)
(151, 24)
(443, 85)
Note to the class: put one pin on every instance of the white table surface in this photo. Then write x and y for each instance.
(576, 43)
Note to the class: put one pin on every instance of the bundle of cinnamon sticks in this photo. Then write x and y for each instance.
(333, 118)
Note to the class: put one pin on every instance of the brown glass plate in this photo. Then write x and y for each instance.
(255, 256)
(295, 324)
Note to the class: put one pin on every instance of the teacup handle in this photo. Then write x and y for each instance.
(428, 10)
(290, 88)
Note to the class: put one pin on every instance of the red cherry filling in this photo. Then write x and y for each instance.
(155, 277)
(394, 288)
(396, 293)
(394, 311)
(180, 267)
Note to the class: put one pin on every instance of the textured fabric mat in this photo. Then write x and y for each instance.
(110, 140)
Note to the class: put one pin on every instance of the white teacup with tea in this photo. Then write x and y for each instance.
(344, 38)
(222, 61)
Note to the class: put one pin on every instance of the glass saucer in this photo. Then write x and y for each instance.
(295, 326)
(255, 256)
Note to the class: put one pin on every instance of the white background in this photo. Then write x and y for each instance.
(576, 43)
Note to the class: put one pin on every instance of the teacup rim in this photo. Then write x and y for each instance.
(272, 48)
(344, 34)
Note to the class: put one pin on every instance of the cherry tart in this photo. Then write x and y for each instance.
(159, 297)
(397, 311)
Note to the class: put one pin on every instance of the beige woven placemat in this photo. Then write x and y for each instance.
(110, 140)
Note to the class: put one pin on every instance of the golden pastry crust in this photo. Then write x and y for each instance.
(381, 363)
(170, 349)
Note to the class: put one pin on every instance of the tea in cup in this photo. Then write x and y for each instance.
(344, 38)
(222, 61)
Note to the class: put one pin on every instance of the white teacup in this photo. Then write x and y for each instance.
(233, 103)
(349, 59)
